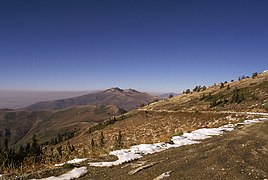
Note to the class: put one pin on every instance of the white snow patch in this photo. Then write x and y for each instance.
(74, 161)
(162, 176)
(265, 71)
(250, 121)
(124, 155)
(75, 173)
(254, 113)
(194, 137)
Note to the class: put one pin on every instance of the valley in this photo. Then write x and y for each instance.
(100, 129)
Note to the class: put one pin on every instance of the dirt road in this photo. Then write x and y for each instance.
(240, 154)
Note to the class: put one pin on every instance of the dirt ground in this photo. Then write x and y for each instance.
(240, 154)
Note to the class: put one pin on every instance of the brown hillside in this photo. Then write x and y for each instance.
(160, 120)
(47, 124)
(125, 99)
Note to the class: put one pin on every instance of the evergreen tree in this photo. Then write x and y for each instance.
(92, 144)
(119, 140)
(204, 88)
(102, 141)
(255, 74)
(21, 154)
(188, 91)
(27, 148)
(35, 149)
(236, 97)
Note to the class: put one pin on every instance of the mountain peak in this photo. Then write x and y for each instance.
(115, 89)
(124, 99)
(131, 90)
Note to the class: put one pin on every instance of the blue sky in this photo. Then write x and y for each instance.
(151, 45)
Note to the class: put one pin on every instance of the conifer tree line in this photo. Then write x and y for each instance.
(235, 97)
(33, 151)
(60, 137)
(100, 142)
(222, 84)
(11, 157)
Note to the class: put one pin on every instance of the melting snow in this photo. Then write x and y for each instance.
(75, 173)
(162, 176)
(254, 113)
(137, 151)
(74, 161)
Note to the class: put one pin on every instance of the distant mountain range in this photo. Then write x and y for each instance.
(128, 99)
(18, 99)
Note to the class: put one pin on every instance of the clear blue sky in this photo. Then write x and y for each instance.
(149, 45)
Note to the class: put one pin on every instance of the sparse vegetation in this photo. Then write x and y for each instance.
(153, 123)
(101, 140)
(119, 141)
(222, 85)
(255, 74)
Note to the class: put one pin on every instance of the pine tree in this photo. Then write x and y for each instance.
(119, 140)
(222, 85)
(35, 149)
(102, 141)
(92, 144)
(21, 154)
(204, 88)
(188, 91)
(255, 74)
(27, 148)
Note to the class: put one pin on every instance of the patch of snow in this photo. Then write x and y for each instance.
(74, 161)
(124, 155)
(162, 176)
(254, 113)
(265, 71)
(182, 140)
(194, 137)
(252, 121)
(75, 173)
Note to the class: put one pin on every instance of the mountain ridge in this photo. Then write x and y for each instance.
(128, 99)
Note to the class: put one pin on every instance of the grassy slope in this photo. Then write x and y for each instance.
(163, 119)
(48, 124)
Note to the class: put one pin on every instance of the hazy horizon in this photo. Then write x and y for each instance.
(16, 99)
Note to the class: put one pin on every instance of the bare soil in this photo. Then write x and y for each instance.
(240, 154)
